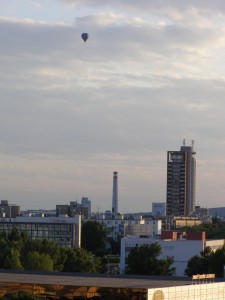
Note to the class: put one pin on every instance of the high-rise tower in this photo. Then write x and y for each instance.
(115, 195)
(181, 181)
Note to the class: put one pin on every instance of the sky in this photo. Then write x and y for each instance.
(151, 74)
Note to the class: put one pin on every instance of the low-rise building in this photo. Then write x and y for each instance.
(179, 247)
(120, 227)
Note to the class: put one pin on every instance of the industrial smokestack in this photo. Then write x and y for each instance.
(115, 195)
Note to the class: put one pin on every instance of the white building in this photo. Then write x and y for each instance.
(204, 291)
(120, 227)
(64, 231)
(180, 250)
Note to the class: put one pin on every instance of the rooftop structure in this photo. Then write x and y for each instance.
(74, 286)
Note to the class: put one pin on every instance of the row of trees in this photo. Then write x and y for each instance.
(216, 230)
(19, 252)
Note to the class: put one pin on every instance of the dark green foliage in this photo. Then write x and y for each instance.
(14, 235)
(217, 262)
(208, 262)
(19, 296)
(12, 260)
(79, 260)
(42, 247)
(144, 260)
(199, 264)
(38, 262)
(93, 237)
(115, 246)
(213, 231)
(18, 252)
(196, 265)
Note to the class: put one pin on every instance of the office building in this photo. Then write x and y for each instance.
(64, 231)
(181, 181)
(72, 209)
(9, 210)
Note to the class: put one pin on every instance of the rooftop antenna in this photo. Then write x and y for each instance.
(184, 142)
(192, 143)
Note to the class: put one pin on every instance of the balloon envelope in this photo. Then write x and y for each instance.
(84, 36)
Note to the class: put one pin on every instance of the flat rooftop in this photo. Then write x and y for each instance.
(89, 280)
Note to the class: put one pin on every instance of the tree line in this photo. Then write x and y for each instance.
(21, 253)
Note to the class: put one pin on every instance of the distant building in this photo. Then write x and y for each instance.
(38, 213)
(9, 210)
(145, 228)
(62, 209)
(72, 209)
(181, 181)
(120, 227)
(180, 248)
(201, 211)
(217, 212)
(158, 209)
(78, 209)
(64, 231)
(85, 202)
(186, 221)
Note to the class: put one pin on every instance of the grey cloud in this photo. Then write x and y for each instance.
(121, 100)
(150, 7)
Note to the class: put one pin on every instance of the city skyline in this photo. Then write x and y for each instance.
(150, 75)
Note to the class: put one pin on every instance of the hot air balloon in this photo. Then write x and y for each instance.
(84, 36)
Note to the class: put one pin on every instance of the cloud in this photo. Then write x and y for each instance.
(71, 112)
